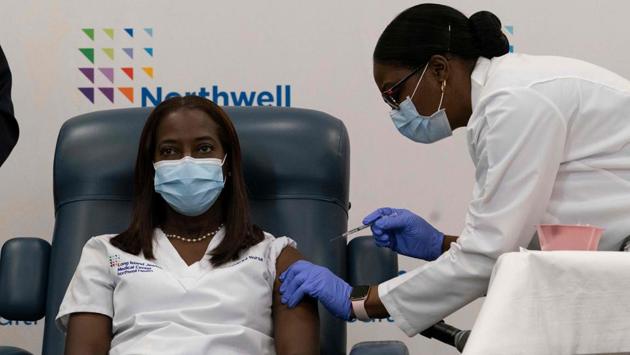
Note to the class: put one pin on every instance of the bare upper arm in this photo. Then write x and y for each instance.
(296, 330)
(88, 333)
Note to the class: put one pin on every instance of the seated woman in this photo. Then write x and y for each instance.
(191, 274)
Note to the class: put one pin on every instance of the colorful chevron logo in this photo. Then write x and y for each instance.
(109, 71)
(115, 66)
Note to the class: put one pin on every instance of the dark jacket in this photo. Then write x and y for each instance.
(9, 130)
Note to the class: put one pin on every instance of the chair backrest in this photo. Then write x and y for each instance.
(296, 165)
(369, 264)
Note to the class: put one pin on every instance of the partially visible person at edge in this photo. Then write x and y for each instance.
(9, 130)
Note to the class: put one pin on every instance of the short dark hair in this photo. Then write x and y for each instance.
(149, 207)
(422, 31)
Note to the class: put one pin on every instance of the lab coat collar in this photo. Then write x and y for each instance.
(478, 80)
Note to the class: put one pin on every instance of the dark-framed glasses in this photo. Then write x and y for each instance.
(388, 95)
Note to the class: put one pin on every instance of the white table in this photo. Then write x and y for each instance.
(561, 302)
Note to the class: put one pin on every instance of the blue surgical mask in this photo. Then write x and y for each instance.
(419, 128)
(190, 186)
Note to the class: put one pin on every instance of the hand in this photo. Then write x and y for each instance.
(304, 278)
(405, 233)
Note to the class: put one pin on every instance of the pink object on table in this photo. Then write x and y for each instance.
(569, 237)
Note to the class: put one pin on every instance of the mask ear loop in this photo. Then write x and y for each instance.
(229, 172)
(442, 97)
(418, 84)
(450, 36)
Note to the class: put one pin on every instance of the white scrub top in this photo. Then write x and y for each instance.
(164, 306)
(550, 140)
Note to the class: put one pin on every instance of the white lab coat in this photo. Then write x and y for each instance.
(550, 140)
(164, 306)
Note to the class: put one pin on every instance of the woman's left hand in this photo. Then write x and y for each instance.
(303, 278)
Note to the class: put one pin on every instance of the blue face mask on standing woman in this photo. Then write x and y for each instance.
(419, 128)
(190, 186)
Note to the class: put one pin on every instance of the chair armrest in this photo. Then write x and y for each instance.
(368, 264)
(9, 350)
(24, 278)
(392, 347)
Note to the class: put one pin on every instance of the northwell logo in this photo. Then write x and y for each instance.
(116, 57)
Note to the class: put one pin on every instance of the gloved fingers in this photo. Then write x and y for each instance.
(291, 277)
(288, 293)
(286, 278)
(396, 221)
(297, 296)
(288, 273)
(383, 240)
(293, 269)
(284, 285)
(288, 287)
(383, 245)
(369, 219)
(338, 307)
(376, 231)
(394, 245)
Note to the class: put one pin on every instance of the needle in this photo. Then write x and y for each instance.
(352, 231)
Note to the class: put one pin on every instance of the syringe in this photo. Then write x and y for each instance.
(352, 231)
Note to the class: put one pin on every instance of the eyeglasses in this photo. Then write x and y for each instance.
(388, 95)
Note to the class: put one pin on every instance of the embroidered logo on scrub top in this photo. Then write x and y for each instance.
(253, 258)
(130, 267)
(114, 260)
(250, 257)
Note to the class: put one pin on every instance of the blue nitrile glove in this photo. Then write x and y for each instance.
(303, 278)
(405, 233)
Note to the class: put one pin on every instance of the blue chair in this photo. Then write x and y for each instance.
(371, 265)
(296, 165)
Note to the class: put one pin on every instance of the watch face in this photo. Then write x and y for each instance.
(359, 292)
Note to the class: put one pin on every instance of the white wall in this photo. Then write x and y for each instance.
(322, 49)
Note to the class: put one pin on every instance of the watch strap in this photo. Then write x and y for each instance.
(358, 307)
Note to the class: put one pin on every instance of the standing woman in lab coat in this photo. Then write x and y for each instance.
(550, 140)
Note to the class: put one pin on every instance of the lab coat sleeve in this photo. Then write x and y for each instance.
(92, 286)
(519, 150)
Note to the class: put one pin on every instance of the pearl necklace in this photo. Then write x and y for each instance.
(193, 240)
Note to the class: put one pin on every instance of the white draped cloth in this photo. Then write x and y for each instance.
(560, 302)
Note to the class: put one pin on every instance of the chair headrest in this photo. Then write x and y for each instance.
(287, 153)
